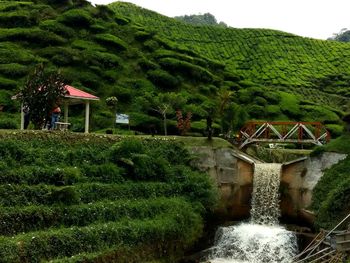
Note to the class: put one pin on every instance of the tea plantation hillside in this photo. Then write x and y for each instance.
(78, 198)
(268, 57)
(147, 60)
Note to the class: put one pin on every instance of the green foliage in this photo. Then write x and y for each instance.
(13, 70)
(33, 35)
(57, 28)
(63, 194)
(204, 19)
(41, 93)
(112, 41)
(163, 79)
(289, 105)
(330, 196)
(8, 123)
(77, 18)
(335, 206)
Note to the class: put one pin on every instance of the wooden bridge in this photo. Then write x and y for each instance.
(283, 132)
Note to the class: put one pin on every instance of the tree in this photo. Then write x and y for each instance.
(164, 104)
(183, 124)
(224, 100)
(111, 103)
(41, 92)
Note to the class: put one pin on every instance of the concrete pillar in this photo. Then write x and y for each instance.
(22, 117)
(65, 108)
(87, 116)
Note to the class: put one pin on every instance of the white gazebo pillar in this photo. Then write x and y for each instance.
(87, 116)
(22, 117)
(65, 108)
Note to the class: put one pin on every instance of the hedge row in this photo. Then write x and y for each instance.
(15, 220)
(155, 253)
(57, 175)
(23, 195)
(184, 227)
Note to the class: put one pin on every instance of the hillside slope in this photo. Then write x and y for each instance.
(75, 197)
(138, 55)
(268, 57)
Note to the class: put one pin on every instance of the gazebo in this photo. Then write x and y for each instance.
(73, 96)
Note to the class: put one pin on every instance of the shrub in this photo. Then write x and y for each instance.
(289, 105)
(18, 18)
(34, 218)
(185, 227)
(107, 173)
(163, 79)
(76, 18)
(57, 28)
(103, 59)
(11, 53)
(8, 124)
(335, 207)
(66, 195)
(195, 72)
(33, 35)
(121, 20)
(7, 84)
(111, 40)
(13, 70)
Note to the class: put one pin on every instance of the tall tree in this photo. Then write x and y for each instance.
(41, 92)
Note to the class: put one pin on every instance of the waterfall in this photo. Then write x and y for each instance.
(262, 239)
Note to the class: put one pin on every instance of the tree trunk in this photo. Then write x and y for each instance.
(165, 126)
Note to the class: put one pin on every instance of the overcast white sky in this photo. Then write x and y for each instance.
(310, 18)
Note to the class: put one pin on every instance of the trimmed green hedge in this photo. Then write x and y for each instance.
(184, 227)
(16, 220)
(111, 40)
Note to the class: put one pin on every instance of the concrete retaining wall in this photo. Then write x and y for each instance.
(233, 172)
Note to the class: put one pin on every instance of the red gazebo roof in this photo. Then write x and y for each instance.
(75, 93)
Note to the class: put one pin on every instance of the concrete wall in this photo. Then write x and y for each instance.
(298, 181)
(233, 172)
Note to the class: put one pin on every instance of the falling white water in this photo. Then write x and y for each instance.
(262, 240)
(265, 198)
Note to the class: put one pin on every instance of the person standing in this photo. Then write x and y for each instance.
(55, 114)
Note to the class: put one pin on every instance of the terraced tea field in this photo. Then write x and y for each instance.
(98, 198)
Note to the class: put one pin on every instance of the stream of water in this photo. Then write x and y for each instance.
(262, 239)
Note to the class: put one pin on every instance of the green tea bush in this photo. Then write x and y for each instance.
(33, 218)
(196, 72)
(184, 226)
(335, 130)
(11, 53)
(163, 79)
(107, 173)
(33, 35)
(17, 19)
(103, 59)
(121, 20)
(32, 175)
(8, 123)
(332, 178)
(76, 18)
(7, 84)
(335, 207)
(111, 40)
(57, 28)
(13, 70)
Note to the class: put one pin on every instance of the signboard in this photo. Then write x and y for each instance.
(122, 118)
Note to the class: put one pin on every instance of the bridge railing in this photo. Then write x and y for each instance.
(283, 132)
